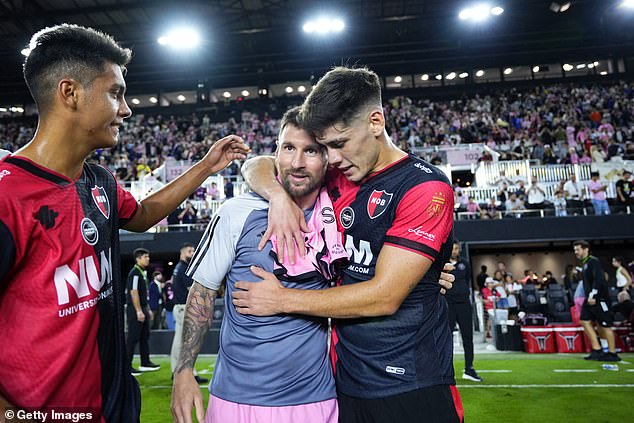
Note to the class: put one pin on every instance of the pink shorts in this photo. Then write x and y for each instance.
(223, 411)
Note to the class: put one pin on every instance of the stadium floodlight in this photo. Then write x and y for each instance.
(181, 38)
(479, 12)
(590, 65)
(581, 66)
(508, 71)
(438, 77)
(3, 109)
(25, 51)
(136, 101)
(603, 73)
(301, 89)
(559, 7)
(480, 73)
(465, 14)
(450, 76)
(245, 93)
(595, 63)
(628, 3)
(424, 77)
(398, 79)
(181, 97)
(568, 67)
(497, 11)
(226, 94)
(17, 109)
(463, 75)
(324, 25)
(263, 91)
(153, 100)
(535, 69)
(288, 89)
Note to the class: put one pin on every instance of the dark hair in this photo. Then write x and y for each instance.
(620, 259)
(483, 268)
(68, 51)
(593, 174)
(140, 252)
(582, 243)
(155, 274)
(339, 97)
(291, 117)
(186, 245)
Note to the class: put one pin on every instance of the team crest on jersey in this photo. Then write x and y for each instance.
(101, 200)
(436, 205)
(378, 202)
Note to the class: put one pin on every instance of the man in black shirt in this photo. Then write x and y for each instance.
(180, 286)
(139, 313)
(624, 191)
(595, 307)
(459, 301)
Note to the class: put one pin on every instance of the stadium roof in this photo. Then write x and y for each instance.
(257, 42)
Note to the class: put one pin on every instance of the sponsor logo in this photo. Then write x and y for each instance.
(46, 217)
(419, 232)
(395, 370)
(361, 255)
(4, 173)
(328, 215)
(541, 341)
(570, 341)
(436, 205)
(101, 200)
(423, 167)
(378, 202)
(346, 217)
(89, 231)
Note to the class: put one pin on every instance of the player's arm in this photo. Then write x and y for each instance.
(158, 205)
(598, 280)
(198, 317)
(398, 271)
(286, 219)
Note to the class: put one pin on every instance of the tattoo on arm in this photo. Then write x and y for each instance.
(198, 316)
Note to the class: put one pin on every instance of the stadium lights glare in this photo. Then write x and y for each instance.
(535, 69)
(463, 75)
(595, 63)
(183, 38)
(263, 91)
(424, 77)
(136, 101)
(480, 73)
(439, 77)
(508, 71)
(628, 3)
(398, 79)
(3, 109)
(450, 76)
(301, 89)
(245, 93)
(181, 97)
(603, 73)
(324, 25)
(480, 12)
(25, 51)
(153, 100)
(17, 109)
(568, 67)
(288, 89)
(590, 65)
(581, 65)
(560, 8)
(226, 94)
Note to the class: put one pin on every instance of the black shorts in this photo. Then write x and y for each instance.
(600, 313)
(435, 404)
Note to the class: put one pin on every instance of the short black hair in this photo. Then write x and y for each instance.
(68, 51)
(140, 252)
(593, 174)
(291, 117)
(186, 245)
(339, 96)
(620, 259)
(582, 243)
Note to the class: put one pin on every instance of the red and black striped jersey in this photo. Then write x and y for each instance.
(61, 292)
(407, 205)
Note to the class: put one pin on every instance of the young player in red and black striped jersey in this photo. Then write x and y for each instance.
(61, 293)
(392, 343)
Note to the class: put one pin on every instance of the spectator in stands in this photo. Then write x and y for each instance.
(188, 215)
(560, 204)
(491, 210)
(547, 279)
(488, 299)
(514, 206)
(214, 194)
(156, 300)
(597, 191)
(622, 276)
(520, 191)
(624, 191)
(536, 195)
(228, 188)
(625, 306)
(503, 193)
(482, 276)
(473, 208)
(574, 195)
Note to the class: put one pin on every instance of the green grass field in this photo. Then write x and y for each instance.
(518, 387)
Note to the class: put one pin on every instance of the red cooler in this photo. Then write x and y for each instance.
(622, 338)
(569, 338)
(538, 339)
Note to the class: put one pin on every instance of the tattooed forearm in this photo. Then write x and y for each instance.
(198, 316)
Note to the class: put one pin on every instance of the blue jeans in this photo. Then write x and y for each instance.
(601, 207)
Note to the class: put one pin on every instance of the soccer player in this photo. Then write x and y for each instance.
(595, 308)
(392, 340)
(61, 292)
(269, 369)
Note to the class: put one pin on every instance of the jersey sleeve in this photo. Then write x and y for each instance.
(7, 251)
(127, 205)
(215, 253)
(424, 219)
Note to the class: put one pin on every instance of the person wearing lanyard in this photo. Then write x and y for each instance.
(139, 313)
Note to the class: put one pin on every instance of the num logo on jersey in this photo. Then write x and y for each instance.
(378, 202)
(101, 200)
(81, 276)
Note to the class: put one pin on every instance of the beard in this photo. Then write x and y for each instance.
(310, 183)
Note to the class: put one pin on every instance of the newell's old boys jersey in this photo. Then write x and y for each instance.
(61, 295)
(407, 205)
